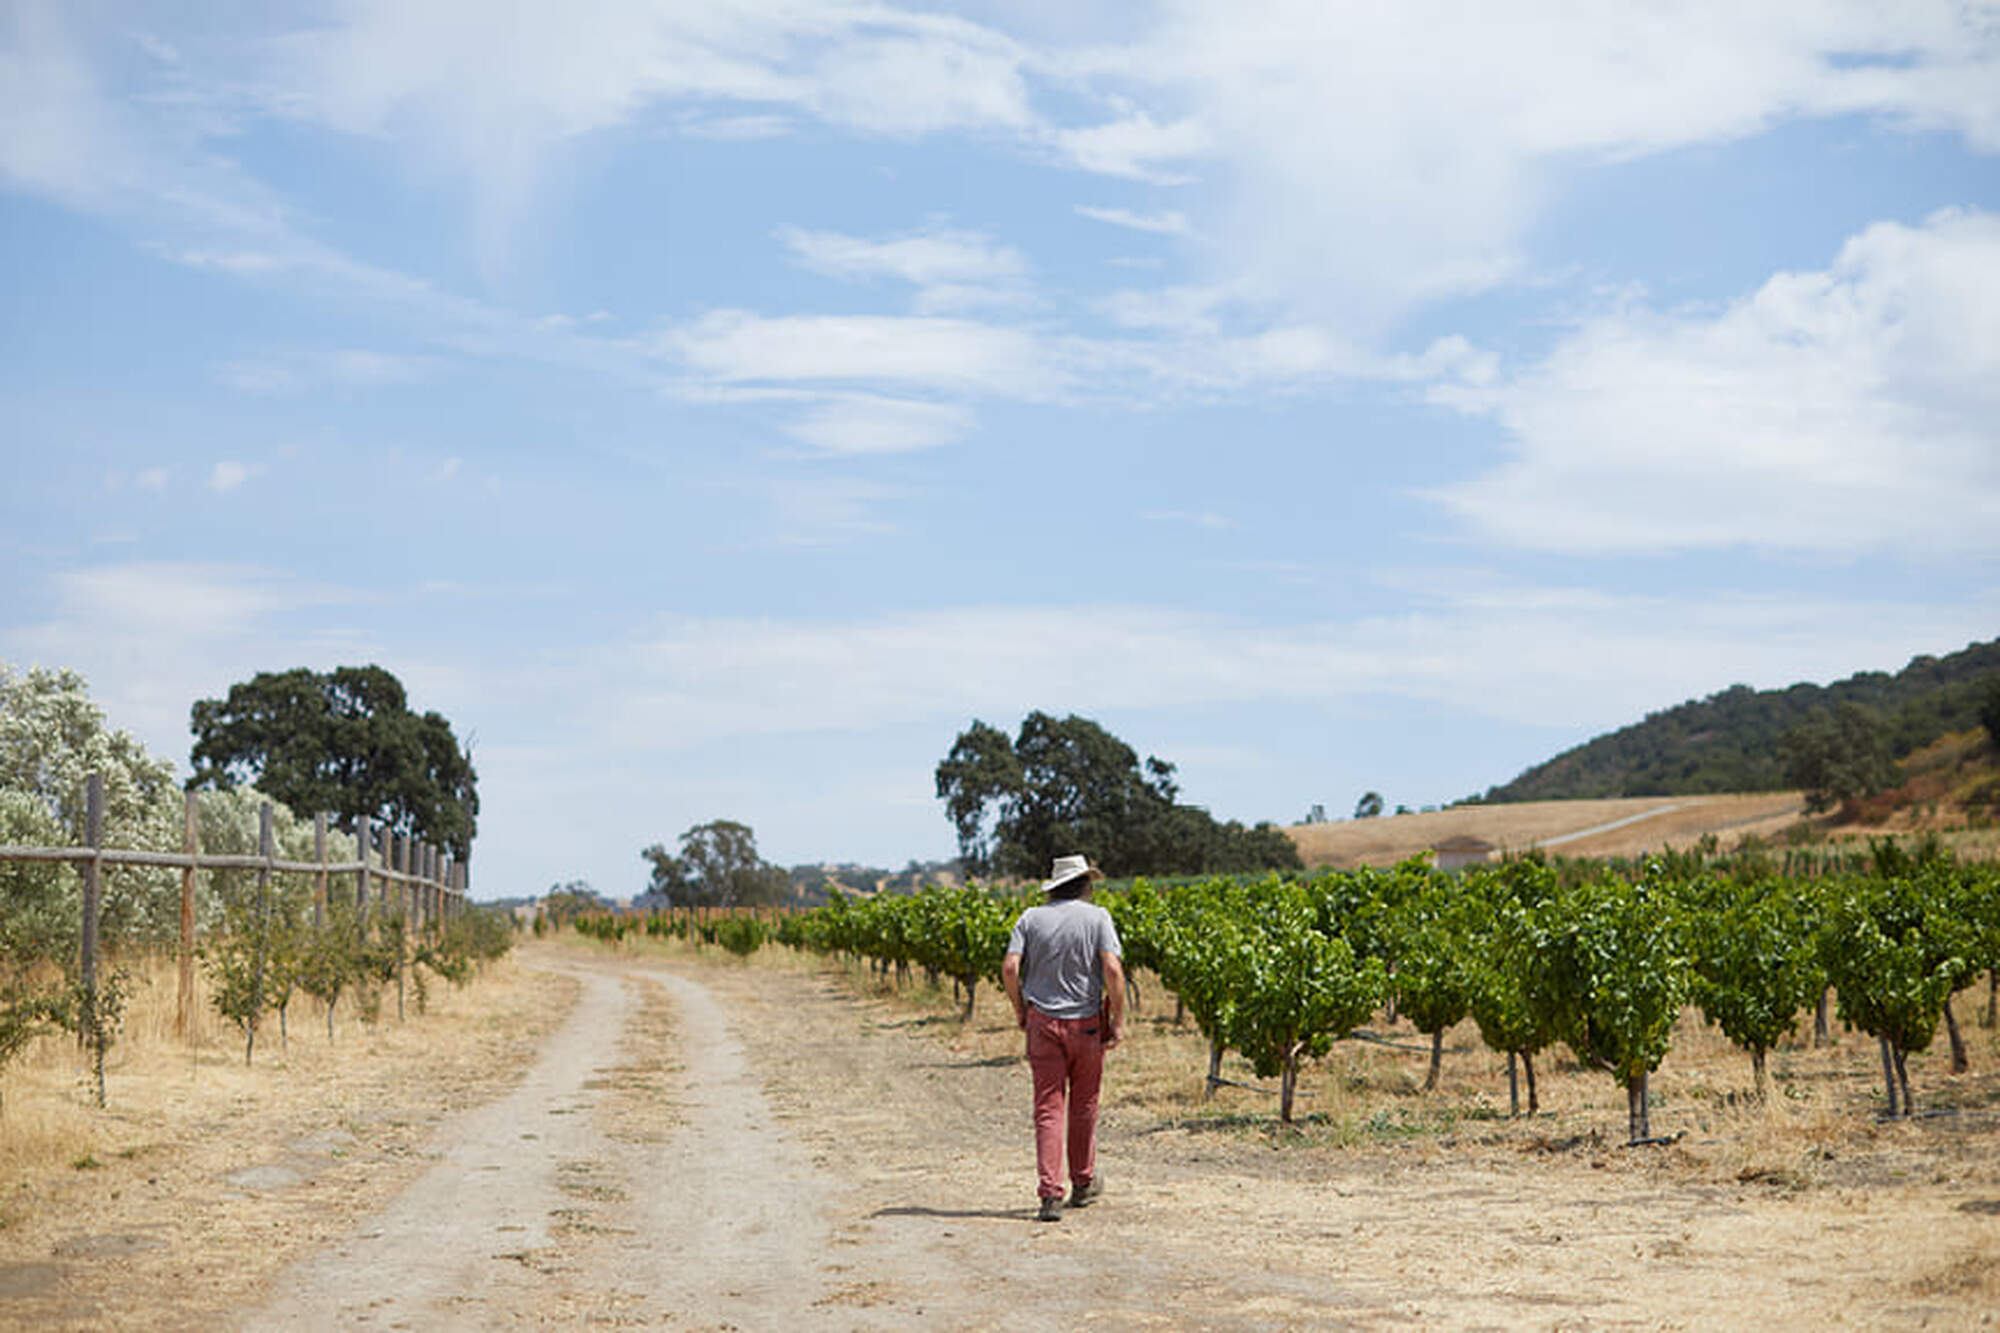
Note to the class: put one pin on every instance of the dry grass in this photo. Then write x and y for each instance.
(1662, 821)
(164, 1091)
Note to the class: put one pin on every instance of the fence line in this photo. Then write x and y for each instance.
(433, 885)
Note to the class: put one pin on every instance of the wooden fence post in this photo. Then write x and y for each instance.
(401, 844)
(265, 849)
(93, 838)
(190, 844)
(319, 880)
(363, 837)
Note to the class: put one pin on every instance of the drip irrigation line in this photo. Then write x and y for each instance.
(1215, 1082)
(1941, 1113)
(1360, 1034)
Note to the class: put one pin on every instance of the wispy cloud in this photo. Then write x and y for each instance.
(865, 424)
(1137, 147)
(951, 269)
(229, 475)
(1167, 223)
(348, 367)
(1378, 161)
(1579, 659)
(735, 346)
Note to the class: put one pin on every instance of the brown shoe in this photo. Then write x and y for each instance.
(1052, 1209)
(1082, 1196)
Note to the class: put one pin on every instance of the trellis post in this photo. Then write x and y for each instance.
(319, 880)
(190, 844)
(363, 835)
(264, 852)
(93, 838)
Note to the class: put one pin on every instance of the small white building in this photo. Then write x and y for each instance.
(1454, 853)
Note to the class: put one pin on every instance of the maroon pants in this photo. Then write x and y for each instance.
(1067, 1056)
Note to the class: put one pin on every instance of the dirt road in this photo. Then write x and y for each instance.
(718, 1147)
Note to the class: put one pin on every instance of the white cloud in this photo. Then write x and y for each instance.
(196, 600)
(1136, 147)
(152, 479)
(1364, 163)
(733, 128)
(952, 270)
(861, 424)
(1168, 223)
(733, 346)
(1842, 412)
(290, 372)
(228, 475)
(822, 511)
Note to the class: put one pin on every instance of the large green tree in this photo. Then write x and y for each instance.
(718, 866)
(345, 742)
(1066, 785)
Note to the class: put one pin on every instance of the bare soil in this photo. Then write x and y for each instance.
(705, 1143)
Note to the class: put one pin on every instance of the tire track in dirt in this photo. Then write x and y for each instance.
(730, 1208)
(453, 1250)
(638, 1176)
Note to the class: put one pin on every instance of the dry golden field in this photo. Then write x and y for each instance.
(1625, 826)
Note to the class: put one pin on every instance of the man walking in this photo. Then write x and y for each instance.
(1064, 976)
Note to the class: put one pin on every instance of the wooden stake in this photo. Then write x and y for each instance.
(265, 849)
(93, 838)
(362, 838)
(319, 881)
(190, 840)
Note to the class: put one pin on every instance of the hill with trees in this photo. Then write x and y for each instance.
(1836, 741)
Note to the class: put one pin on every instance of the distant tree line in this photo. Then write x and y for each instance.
(1066, 785)
(1835, 739)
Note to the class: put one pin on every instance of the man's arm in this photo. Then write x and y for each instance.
(1114, 996)
(1010, 977)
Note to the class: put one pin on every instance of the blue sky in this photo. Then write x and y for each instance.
(713, 409)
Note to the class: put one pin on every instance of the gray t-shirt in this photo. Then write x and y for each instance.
(1059, 943)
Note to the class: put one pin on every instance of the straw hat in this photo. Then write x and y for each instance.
(1068, 868)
